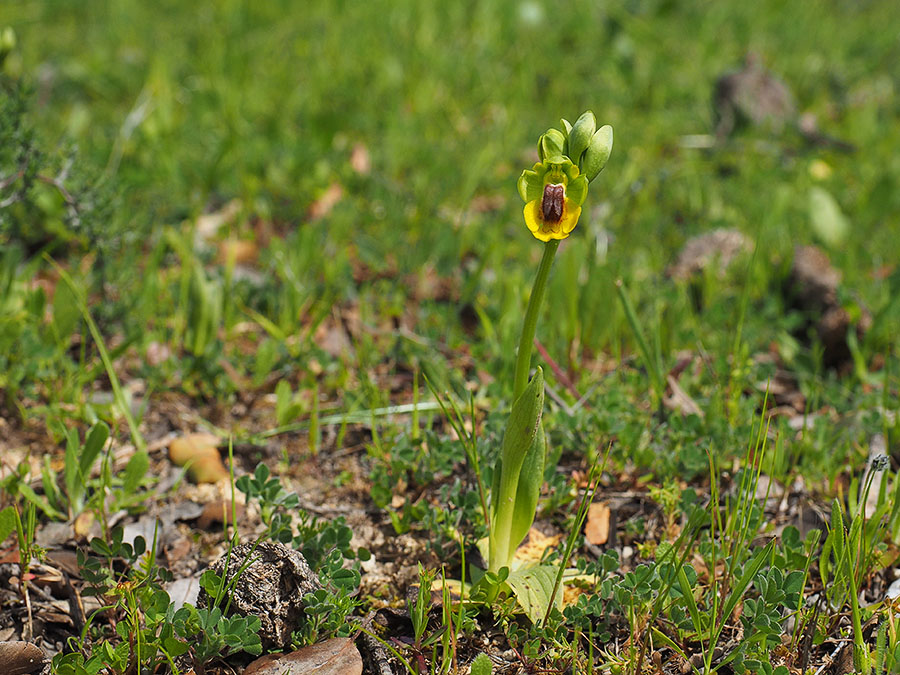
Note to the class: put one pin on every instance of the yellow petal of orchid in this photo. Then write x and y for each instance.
(533, 216)
(545, 231)
(570, 218)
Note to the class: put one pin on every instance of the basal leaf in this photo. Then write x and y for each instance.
(531, 477)
(532, 588)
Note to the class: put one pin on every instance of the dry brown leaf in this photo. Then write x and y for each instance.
(209, 224)
(9, 556)
(329, 199)
(360, 161)
(157, 353)
(218, 512)
(331, 337)
(535, 545)
(337, 656)
(179, 549)
(83, 524)
(677, 399)
(238, 252)
(20, 658)
(199, 453)
(596, 529)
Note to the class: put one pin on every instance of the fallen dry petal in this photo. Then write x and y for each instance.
(20, 658)
(338, 656)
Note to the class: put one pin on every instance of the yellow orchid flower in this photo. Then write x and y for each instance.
(554, 191)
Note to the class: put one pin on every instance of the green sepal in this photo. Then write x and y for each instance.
(597, 154)
(531, 184)
(531, 478)
(566, 126)
(580, 136)
(555, 170)
(576, 190)
(552, 145)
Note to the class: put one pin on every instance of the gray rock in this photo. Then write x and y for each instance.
(271, 588)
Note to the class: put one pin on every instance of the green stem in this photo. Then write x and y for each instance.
(526, 341)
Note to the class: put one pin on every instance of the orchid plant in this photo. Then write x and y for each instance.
(554, 190)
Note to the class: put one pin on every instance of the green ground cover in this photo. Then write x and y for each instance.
(363, 158)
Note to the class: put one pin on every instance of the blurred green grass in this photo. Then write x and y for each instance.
(181, 107)
(259, 100)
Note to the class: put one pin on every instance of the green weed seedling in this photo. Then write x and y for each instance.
(8, 519)
(151, 632)
(12, 521)
(849, 554)
(69, 501)
(141, 609)
(275, 503)
(287, 407)
(79, 491)
(482, 665)
(213, 636)
(419, 609)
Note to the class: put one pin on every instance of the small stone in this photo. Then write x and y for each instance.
(338, 656)
(271, 588)
(752, 96)
(719, 246)
(893, 591)
(813, 281)
(812, 289)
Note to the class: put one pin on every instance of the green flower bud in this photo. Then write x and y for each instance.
(580, 136)
(552, 145)
(598, 151)
(566, 127)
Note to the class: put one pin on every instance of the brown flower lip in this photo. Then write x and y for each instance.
(552, 202)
